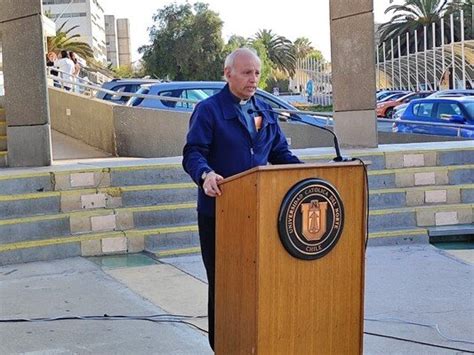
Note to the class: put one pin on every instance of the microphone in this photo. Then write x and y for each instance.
(338, 157)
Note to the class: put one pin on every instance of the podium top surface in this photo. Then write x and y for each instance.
(265, 168)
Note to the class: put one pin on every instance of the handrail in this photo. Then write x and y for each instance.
(165, 98)
(458, 127)
(325, 115)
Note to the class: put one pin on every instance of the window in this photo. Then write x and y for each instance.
(470, 109)
(423, 109)
(190, 94)
(446, 108)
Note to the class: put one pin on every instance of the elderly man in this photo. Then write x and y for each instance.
(227, 137)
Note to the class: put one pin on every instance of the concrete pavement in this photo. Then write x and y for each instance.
(404, 284)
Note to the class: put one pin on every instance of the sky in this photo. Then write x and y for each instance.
(292, 19)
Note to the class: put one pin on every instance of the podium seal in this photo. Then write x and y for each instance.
(311, 219)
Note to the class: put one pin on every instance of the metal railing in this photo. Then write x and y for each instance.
(458, 127)
(92, 89)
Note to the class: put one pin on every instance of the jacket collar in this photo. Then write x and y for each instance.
(228, 106)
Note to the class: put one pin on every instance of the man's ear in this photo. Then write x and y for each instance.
(227, 71)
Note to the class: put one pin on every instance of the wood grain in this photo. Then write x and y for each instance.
(268, 302)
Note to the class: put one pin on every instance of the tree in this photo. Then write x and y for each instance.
(64, 42)
(186, 43)
(414, 15)
(279, 50)
(302, 47)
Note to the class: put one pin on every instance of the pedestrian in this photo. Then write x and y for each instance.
(227, 137)
(77, 70)
(66, 69)
(51, 57)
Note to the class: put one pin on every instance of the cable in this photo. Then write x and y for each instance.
(419, 342)
(155, 318)
(183, 319)
(366, 190)
(432, 326)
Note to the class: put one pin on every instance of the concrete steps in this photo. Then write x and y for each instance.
(3, 138)
(90, 210)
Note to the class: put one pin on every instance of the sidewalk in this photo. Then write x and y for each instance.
(416, 283)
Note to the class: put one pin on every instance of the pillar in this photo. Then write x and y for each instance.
(353, 72)
(26, 95)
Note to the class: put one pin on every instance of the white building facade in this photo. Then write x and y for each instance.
(88, 15)
(111, 40)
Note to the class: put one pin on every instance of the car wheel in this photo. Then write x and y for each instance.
(389, 113)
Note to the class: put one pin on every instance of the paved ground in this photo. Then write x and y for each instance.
(417, 284)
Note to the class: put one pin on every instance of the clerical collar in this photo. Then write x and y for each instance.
(239, 101)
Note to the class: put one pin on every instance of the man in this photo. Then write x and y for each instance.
(66, 67)
(225, 138)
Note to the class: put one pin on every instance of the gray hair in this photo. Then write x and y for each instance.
(230, 59)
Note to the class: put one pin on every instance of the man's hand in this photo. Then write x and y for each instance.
(210, 186)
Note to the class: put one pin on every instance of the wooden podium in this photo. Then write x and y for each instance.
(271, 302)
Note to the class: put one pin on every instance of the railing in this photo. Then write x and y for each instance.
(92, 89)
(458, 127)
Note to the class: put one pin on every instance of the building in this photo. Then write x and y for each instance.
(111, 40)
(123, 40)
(88, 15)
(119, 51)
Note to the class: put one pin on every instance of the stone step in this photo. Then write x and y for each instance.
(98, 220)
(2, 114)
(26, 183)
(419, 196)
(3, 143)
(422, 216)
(3, 128)
(87, 244)
(412, 155)
(3, 159)
(29, 205)
(151, 175)
(398, 236)
(424, 176)
(33, 228)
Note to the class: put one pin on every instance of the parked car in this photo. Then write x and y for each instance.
(384, 93)
(386, 108)
(122, 85)
(394, 96)
(455, 110)
(399, 110)
(452, 92)
(200, 90)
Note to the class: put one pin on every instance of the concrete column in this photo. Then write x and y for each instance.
(353, 72)
(26, 95)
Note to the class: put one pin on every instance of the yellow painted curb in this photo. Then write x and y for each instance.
(183, 185)
(157, 207)
(420, 169)
(421, 188)
(176, 252)
(24, 176)
(435, 208)
(95, 236)
(398, 233)
(146, 167)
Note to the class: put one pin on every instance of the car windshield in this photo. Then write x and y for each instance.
(135, 101)
(470, 109)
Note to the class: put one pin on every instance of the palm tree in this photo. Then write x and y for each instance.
(302, 47)
(414, 15)
(279, 50)
(63, 41)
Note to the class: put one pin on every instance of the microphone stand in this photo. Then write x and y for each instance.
(338, 158)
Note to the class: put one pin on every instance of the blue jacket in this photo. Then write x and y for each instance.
(219, 140)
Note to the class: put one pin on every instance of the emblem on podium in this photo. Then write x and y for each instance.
(311, 219)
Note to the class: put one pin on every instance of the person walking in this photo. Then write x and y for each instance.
(66, 69)
(227, 137)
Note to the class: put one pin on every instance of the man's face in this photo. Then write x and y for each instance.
(244, 76)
